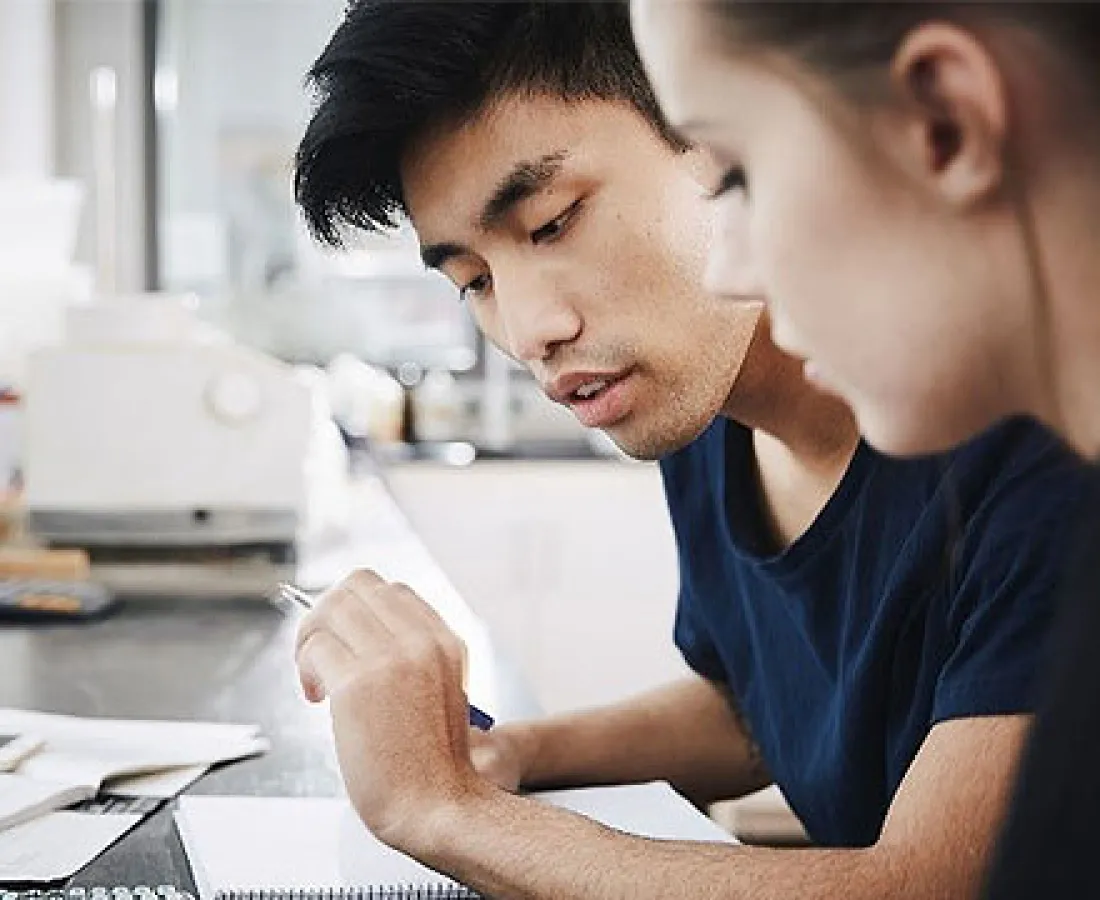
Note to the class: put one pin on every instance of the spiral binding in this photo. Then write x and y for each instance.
(390, 892)
(168, 892)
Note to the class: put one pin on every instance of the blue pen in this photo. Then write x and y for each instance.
(478, 718)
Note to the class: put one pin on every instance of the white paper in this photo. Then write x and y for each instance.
(256, 843)
(56, 845)
(22, 798)
(157, 784)
(245, 843)
(82, 756)
(652, 810)
(90, 750)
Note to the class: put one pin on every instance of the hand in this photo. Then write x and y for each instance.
(502, 755)
(392, 671)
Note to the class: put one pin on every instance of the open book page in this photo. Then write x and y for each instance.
(92, 750)
(23, 798)
(79, 756)
(163, 784)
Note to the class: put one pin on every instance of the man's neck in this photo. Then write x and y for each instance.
(772, 396)
(803, 439)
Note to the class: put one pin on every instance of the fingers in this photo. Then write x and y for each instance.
(324, 664)
(378, 620)
(414, 621)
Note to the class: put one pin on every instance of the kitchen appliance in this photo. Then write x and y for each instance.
(182, 462)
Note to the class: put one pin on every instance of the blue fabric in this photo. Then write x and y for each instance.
(922, 592)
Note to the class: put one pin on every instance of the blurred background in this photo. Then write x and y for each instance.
(192, 394)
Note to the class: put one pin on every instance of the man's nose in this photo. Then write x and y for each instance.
(537, 318)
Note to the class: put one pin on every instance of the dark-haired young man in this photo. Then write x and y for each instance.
(877, 622)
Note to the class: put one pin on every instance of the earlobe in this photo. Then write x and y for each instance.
(958, 114)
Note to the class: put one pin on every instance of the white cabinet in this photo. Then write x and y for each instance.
(571, 564)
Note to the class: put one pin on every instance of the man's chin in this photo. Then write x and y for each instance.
(651, 446)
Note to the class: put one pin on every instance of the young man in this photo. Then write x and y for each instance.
(864, 631)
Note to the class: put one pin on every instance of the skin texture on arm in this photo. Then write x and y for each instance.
(689, 733)
(935, 843)
(392, 673)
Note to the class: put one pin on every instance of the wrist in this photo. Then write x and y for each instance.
(435, 840)
(526, 742)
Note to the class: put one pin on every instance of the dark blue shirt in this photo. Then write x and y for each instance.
(922, 592)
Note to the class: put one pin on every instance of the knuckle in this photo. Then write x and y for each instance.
(423, 652)
(453, 647)
(363, 580)
(340, 603)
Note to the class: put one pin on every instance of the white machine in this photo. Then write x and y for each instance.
(181, 461)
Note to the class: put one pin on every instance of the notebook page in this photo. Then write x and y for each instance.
(651, 810)
(285, 843)
(274, 843)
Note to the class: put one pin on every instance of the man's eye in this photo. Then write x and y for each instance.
(473, 288)
(733, 180)
(556, 226)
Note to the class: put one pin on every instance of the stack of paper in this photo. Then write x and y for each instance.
(81, 757)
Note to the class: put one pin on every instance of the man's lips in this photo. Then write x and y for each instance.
(572, 387)
(598, 399)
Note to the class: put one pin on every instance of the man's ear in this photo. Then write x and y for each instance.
(956, 119)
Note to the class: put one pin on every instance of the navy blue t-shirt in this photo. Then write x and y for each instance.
(922, 592)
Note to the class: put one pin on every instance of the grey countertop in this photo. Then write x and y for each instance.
(223, 660)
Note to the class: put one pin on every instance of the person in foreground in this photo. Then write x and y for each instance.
(863, 631)
(935, 256)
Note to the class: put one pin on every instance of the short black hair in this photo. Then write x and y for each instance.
(395, 68)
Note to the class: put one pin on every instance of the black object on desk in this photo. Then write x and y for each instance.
(42, 598)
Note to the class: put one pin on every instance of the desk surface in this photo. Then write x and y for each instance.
(218, 661)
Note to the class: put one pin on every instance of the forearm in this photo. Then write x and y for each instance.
(514, 847)
(935, 842)
(687, 733)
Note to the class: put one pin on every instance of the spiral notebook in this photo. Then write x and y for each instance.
(306, 848)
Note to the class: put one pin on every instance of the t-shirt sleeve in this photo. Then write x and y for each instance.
(1004, 606)
(998, 653)
(688, 475)
(694, 641)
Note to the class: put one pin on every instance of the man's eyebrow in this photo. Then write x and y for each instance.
(525, 179)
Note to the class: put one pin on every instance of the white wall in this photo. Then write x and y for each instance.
(92, 33)
(237, 112)
(26, 88)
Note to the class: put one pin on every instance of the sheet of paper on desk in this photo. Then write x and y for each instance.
(94, 749)
(82, 756)
(58, 844)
